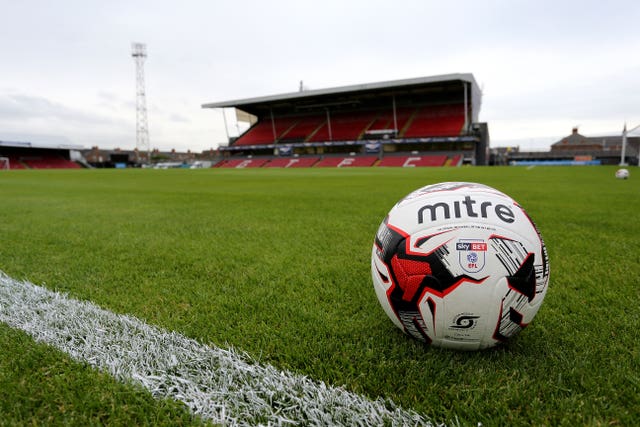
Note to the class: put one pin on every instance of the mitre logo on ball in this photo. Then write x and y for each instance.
(467, 207)
(459, 265)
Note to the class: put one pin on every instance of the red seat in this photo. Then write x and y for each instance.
(304, 127)
(413, 161)
(49, 162)
(440, 120)
(292, 162)
(351, 161)
(243, 163)
(263, 131)
(15, 163)
(410, 122)
(344, 127)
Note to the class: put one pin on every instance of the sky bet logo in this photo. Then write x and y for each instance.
(471, 246)
(466, 207)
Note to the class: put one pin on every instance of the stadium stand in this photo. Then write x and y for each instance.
(27, 155)
(424, 117)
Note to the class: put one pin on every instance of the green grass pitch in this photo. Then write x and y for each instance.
(276, 263)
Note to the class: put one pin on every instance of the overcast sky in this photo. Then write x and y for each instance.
(67, 75)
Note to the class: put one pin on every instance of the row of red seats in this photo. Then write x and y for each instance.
(345, 162)
(413, 161)
(386, 121)
(294, 162)
(348, 161)
(443, 120)
(49, 162)
(346, 127)
(263, 132)
(15, 163)
(41, 162)
(304, 127)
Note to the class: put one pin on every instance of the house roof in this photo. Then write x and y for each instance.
(576, 141)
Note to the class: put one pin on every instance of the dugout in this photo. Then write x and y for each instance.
(424, 115)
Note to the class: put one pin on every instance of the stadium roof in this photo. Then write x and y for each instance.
(27, 144)
(406, 86)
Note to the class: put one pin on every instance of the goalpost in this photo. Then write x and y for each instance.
(4, 163)
(623, 153)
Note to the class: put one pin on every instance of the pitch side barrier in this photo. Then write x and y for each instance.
(554, 162)
(283, 146)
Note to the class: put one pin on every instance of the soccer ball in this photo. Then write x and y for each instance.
(622, 173)
(459, 265)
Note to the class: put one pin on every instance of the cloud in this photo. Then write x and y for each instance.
(25, 106)
(178, 118)
(28, 107)
(39, 119)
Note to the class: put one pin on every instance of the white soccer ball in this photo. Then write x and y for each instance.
(622, 173)
(459, 265)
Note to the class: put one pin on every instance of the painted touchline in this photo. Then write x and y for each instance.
(219, 385)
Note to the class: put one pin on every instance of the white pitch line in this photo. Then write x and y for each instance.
(216, 384)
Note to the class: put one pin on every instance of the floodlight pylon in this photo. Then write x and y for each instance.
(139, 54)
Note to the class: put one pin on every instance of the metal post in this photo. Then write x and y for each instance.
(395, 117)
(623, 152)
(226, 130)
(273, 126)
(466, 107)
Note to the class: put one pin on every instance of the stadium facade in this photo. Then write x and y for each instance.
(424, 121)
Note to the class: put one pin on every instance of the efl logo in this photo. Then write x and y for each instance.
(471, 254)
